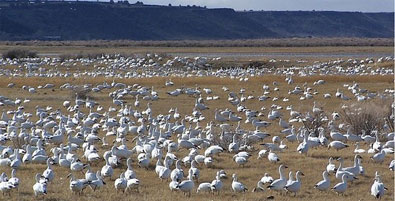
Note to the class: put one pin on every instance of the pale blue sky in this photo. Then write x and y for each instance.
(336, 5)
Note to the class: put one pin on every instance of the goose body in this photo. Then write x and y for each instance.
(280, 183)
(377, 189)
(324, 184)
(237, 186)
(341, 187)
(294, 186)
(120, 183)
(186, 186)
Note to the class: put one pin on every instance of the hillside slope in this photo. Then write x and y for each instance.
(86, 21)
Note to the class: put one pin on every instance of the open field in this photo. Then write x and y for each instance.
(151, 187)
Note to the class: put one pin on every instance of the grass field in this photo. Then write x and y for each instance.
(153, 189)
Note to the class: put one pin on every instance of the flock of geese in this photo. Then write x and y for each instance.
(141, 139)
(154, 65)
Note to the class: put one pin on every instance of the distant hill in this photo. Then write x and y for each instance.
(111, 21)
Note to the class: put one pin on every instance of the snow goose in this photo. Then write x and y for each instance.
(186, 186)
(258, 124)
(204, 187)
(303, 147)
(216, 184)
(377, 189)
(266, 179)
(367, 138)
(234, 146)
(17, 161)
(392, 165)
(164, 172)
(5, 186)
(195, 171)
(341, 187)
(290, 178)
(177, 174)
(77, 185)
(283, 124)
(63, 162)
(129, 173)
(240, 160)
(27, 158)
(337, 145)
(173, 185)
(340, 172)
(76, 165)
(107, 170)
(212, 150)
(279, 184)
(273, 157)
(294, 186)
(238, 187)
(356, 168)
(97, 183)
(357, 150)
(377, 144)
(378, 157)
(48, 173)
(14, 181)
(337, 136)
(121, 183)
(133, 184)
(40, 187)
(324, 184)
(89, 174)
(259, 187)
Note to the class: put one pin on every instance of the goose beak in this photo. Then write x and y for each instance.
(302, 173)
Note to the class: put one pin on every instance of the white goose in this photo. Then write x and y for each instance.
(341, 187)
(356, 168)
(195, 171)
(186, 186)
(177, 174)
(216, 184)
(379, 157)
(40, 187)
(358, 150)
(5, 186)
(49, 174)
(121, 183)
(273, 157)
(76, 165)
(204, 187)
(337, 145)
(97, 183)
(266, 179)
(129, 173)
(14, 181)
(377, 189)
(279, 184)
(340, 172)
(331, 167)
(324, 184)
(294, 186)
(164, 172)
(133, 184)
(238, 187)
(107, 170)
(77, 185)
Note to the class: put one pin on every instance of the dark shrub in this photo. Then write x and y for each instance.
(19, 53)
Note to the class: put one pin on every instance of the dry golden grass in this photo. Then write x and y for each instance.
(153, 189)
(75, 49)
